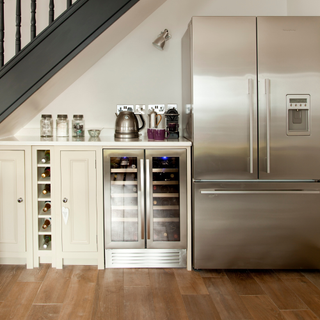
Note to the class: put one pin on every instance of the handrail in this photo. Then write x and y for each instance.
(33, 27)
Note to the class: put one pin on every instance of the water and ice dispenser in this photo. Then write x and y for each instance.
(298, 115)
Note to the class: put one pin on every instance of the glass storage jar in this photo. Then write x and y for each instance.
(62, 125)
(78, 125)
(46, 125)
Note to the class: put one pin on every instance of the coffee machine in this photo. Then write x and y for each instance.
(172, 124)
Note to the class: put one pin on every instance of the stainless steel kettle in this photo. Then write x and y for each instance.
(127, 126)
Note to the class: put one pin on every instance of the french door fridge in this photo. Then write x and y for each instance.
(145, 207)
(251, 107)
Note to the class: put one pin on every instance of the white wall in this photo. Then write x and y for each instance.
(134, 72)
(303, 8)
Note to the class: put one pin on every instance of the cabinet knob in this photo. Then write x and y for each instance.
(65, 200)
(20, 200)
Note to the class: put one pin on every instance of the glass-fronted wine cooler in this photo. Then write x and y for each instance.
(145, 207)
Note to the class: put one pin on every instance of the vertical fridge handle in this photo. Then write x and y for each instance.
(267, 91)
(250, 92)
(141, 198)
(148, 195)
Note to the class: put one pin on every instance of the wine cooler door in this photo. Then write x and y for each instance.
(166, 199)
(124, 199)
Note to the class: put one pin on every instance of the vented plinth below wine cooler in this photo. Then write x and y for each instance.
(146, 258)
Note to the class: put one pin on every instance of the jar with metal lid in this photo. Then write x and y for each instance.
(62, 125)
(78, 125)
(46, 125)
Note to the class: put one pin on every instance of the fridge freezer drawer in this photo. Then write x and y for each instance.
(256, 225)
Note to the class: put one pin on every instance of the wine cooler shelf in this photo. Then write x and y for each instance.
(44, 200)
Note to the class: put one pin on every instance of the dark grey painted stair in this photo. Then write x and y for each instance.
(53, 48)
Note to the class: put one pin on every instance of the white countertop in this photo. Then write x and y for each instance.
(103, 141)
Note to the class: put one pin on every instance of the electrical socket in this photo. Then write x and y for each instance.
(172, 106)
(125, 107)
(140, 108)
(158, 108)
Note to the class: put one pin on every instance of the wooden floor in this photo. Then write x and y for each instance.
(84, 292)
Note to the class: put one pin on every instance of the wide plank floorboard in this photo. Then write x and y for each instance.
(313, 276)
(226, 299)
(190, 282)
(36, 274)
(8, 277)
(200, 307)
(109, 295)
(138, 303)
(168, 302)
(244, 283)
(136, 277)
(262, 308)
(278, 291)
(84, 292)
(307, 292)
(55, 286)
(78, 302)
(299, 315)
(19, 300)
(44, 312)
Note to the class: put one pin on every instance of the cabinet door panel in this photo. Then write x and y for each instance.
(78, 187)
(12, 213)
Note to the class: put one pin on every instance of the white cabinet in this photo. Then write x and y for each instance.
(13, 208)
(74, 204)
(79, 208)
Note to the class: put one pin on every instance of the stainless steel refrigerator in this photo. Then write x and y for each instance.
(251, 106)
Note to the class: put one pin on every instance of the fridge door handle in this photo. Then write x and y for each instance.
(267, 91)
(148, 195)
(141, 198)
(259, 191)
(250, 92)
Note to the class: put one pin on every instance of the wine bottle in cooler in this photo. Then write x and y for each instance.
(47, 240)
(47, 206)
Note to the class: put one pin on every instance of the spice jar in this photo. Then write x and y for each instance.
(78, 125)
(62, 125)
(46, 125)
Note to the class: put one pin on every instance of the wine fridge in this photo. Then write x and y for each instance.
(145, 207)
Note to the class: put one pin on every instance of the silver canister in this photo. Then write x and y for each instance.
(46, 125)
(78, 125)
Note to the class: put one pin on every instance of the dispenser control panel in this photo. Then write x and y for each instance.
(298, 115)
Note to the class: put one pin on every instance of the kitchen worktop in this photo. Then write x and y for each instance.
(107, 140)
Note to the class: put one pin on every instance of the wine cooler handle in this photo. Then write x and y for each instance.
(20, 200)
(141, 198)
(148, 195)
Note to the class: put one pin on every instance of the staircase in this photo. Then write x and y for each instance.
(50, 52)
